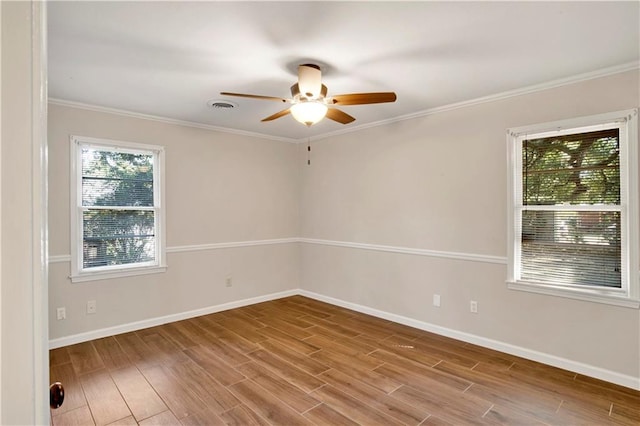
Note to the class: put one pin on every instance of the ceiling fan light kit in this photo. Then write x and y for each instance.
(309, 112)
(310, 103)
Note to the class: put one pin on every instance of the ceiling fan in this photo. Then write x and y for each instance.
(310, 104)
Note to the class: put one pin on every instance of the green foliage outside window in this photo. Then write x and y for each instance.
(124, 233)
(574, 169)
(569, 244)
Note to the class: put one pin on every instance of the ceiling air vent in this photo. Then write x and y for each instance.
(221, 104)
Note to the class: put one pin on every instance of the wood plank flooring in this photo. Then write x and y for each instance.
(297, 361)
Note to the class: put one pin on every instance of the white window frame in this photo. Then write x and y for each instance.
(627, 122)
(80, 274)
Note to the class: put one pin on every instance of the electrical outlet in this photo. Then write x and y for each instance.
(91, 307)
(228, 282)
(436, 300)
(61, 313)
(473, 307)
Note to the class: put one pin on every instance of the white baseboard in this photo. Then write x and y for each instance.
(152, 322)
(567, 364)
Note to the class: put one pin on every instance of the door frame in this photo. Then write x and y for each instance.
(39, 208)
(24, 271)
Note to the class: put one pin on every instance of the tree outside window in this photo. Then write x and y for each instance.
(574, 217)
(117, 207)
(572, 246)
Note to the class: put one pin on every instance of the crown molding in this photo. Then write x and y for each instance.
(437, 110)
(167, 120)
(486, 99)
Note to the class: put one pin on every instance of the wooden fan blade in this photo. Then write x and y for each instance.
(339, 116)
(278, 115)
(364, 98)
(244, 95)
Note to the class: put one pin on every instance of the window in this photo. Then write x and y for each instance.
(573, 225)
(117, 216)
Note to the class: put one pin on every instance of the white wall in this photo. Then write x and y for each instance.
(220, 188)
(439, 183)
(434, 183)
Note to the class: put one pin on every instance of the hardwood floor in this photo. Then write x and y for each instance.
(299, 361)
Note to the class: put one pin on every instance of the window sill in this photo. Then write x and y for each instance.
(120, 273)
(579, 294)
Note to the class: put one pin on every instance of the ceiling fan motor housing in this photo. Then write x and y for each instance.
(295, 92)
(310, 80)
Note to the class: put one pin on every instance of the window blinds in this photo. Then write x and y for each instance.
(118, 215)
(570, 213)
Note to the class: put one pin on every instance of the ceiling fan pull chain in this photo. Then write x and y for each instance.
(308, 151)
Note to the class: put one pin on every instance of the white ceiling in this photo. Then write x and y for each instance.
(168, 59)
